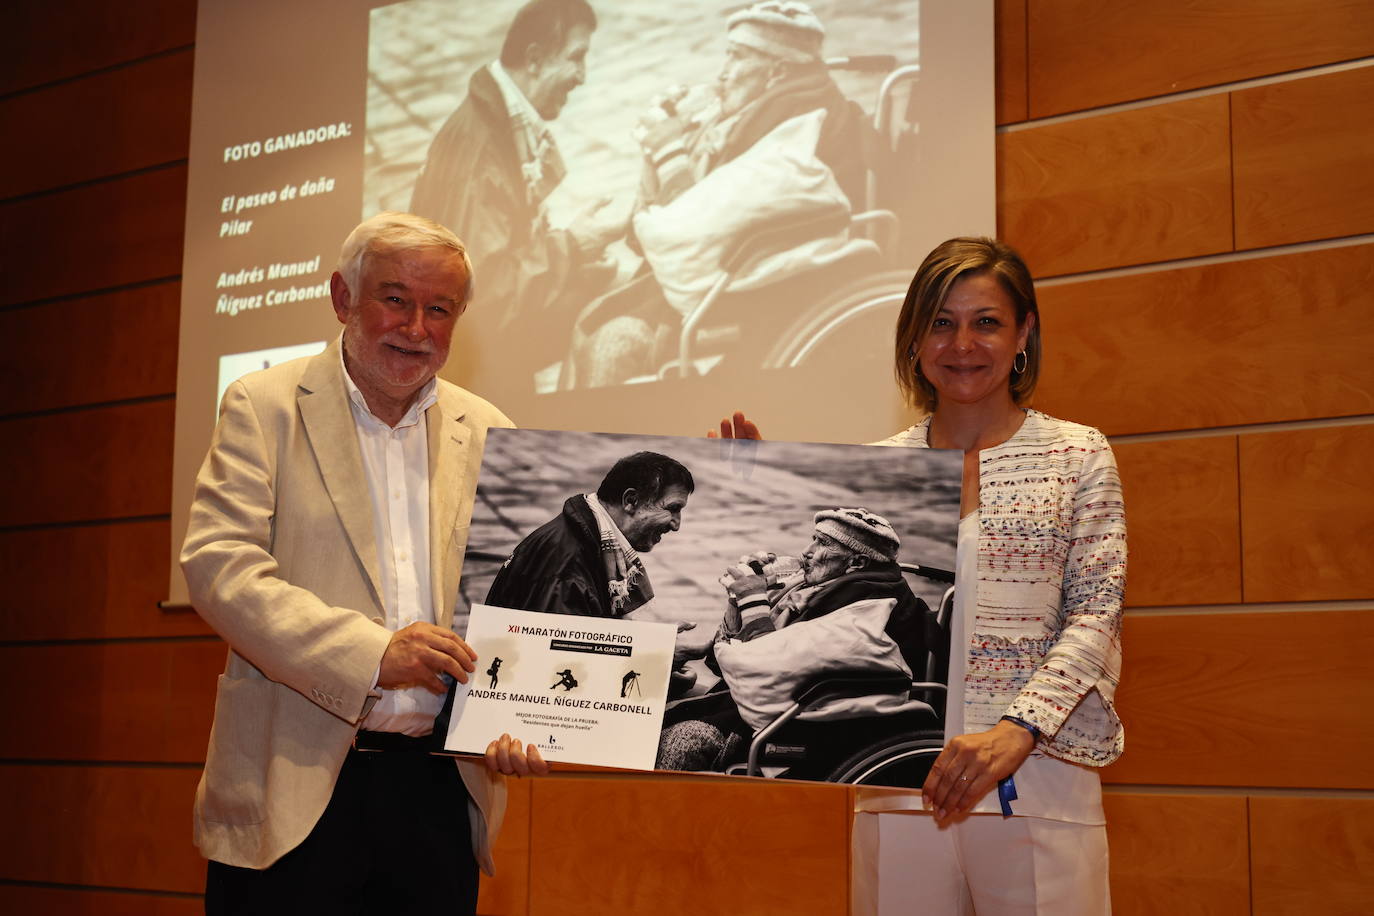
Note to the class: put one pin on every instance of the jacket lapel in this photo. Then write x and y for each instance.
(328, 421)
(449, 444)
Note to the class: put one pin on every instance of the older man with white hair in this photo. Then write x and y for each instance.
(324, 543)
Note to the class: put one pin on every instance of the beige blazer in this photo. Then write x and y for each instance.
(280, 559)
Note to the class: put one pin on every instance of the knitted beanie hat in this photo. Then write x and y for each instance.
(861, 531)
(785, 29)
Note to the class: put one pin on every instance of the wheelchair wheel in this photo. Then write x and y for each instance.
(902, 760)
(854, 323)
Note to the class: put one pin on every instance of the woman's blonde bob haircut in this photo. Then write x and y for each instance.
(942, 268)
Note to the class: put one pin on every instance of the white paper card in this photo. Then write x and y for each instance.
(585, 690)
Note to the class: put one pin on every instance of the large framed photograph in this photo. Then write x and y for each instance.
(810, 587)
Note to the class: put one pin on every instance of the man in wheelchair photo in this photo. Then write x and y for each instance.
(747, 183)
(834, 646)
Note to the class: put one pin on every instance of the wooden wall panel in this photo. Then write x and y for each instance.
(1304, 159)
(96, 582)
(61, 901)
(1312, 855)
(507, 893)
(129, 230)
(1253, 341)
(111, 577)
(1175, 855)
(1307, 514)
(1258, 699)
(1010, 58)
(668, 846)
(118, 121)
(109, 462)
(1085, 53)
(123, 701)
(114, 347)
(46, 40)
(127, 827)
(1128, 188)
(1183, 518)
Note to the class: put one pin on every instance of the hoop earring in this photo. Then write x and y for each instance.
(1019, 370)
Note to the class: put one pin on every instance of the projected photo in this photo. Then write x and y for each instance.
(810, 585)
(652, 190)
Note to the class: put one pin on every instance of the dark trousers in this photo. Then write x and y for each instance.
(393, 839)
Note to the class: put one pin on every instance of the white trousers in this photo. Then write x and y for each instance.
(903, 865)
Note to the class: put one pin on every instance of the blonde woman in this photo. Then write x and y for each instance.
(1014, 805)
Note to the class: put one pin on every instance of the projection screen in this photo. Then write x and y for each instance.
(664, 230)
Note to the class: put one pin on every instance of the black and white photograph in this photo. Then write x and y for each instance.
(810, 586)
(652, 189)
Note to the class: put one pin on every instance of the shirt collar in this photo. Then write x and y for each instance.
(517, 104)
(627, 581)
(608, 526)
(424, 399)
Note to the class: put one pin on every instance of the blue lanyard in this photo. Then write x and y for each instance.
(1006, 794)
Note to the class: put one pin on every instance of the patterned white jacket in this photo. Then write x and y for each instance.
(1045, 644)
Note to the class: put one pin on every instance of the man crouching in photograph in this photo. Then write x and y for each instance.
(586, 560)
(843, 608)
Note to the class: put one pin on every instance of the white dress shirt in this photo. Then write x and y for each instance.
(396, 463)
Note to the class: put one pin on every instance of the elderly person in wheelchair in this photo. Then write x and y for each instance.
(844, 609)
(774, 148)
(773, 72)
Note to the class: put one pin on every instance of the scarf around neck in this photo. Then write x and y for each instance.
(541, 164)
(626, 578)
